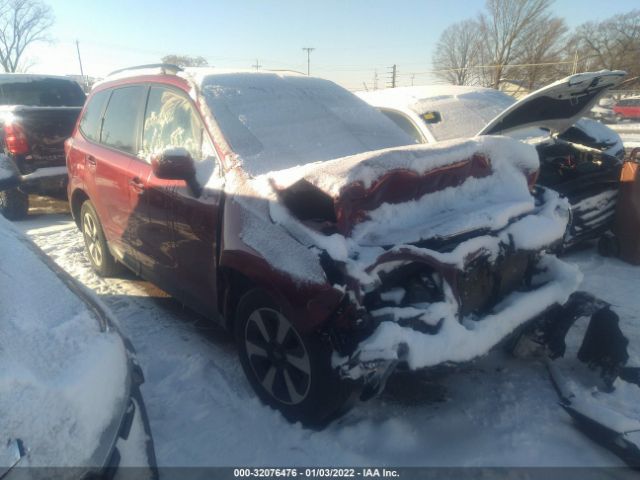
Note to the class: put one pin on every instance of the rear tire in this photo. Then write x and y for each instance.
(289, 371)
(14, 204)
(95, 242)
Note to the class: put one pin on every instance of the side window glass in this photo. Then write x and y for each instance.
(91, 121)
(122, 119)
(171, 121)
(405, 124)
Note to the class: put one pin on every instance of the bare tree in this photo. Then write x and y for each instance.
(22, 22)
(185, 60)
(456, 51)
(505, 25)
(542, 50)
(612, 44)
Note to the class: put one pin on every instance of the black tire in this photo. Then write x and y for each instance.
(288, 371)
(14, 204)
(95, 243)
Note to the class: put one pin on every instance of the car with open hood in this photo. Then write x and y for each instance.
(306, 222)
(579, 157)
(69, 381)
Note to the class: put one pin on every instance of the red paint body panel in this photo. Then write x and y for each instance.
(401, 186)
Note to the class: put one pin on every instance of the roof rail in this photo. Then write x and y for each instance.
(165, 67)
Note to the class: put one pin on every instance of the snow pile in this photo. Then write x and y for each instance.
(62, 380)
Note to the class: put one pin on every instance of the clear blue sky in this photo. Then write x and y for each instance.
(351, 38)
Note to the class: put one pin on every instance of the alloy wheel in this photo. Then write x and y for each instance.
(91, 239)
(277, 356)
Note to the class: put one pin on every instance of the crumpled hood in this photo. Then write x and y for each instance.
(413, 193)
(490, 202)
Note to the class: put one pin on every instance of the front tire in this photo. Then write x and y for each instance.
(95, 242)
(289, 371)
(14, 204)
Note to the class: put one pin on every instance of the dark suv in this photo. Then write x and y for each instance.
(37, 114)
(304, 220)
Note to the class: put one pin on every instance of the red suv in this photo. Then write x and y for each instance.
(305, 221)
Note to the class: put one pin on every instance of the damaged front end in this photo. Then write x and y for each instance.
(441, 251)
(427, 307)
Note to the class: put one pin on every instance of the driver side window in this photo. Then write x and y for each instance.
(170, 122)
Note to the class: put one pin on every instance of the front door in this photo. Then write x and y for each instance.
(179, 239)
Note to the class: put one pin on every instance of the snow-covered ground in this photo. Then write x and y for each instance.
(629, 132)
(498, 411)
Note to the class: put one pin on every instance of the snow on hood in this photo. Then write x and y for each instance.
(62, 379)
(332, 176)
(487, 203)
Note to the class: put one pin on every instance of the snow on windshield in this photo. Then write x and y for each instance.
(463, 115)
(275, 121)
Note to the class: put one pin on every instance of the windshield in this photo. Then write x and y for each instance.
(42, 92)
(463, 115)
(279, 121)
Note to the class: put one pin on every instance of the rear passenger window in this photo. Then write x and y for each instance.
(121, 125)
(171, 121)
(92, 119)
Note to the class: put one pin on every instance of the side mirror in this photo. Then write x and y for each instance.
(9, 175)
(176, 164)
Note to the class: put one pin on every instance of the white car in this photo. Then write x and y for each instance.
(579, 157)
(69, 383)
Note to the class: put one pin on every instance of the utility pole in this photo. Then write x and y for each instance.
(375, 79)
(394, 73)
(413, 76)
(257, 65)
(80, 62)
(308, 50)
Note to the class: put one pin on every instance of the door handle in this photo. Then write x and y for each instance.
(136, 185)
(91, 160)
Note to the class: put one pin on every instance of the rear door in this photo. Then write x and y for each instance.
(110, 180)
(178, 227)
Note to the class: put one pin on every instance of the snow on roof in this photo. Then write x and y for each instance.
(198, 74)
(28, 77)
(407, 96)
(62, 380)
